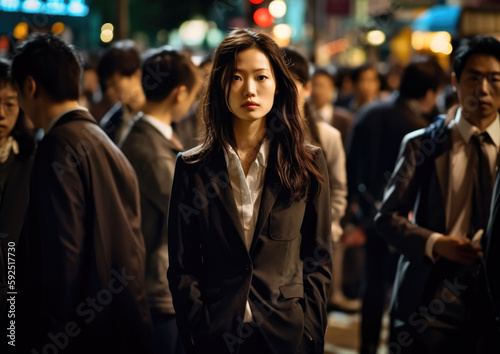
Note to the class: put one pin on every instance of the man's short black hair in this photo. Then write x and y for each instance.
(325, 72)
(52, 63)
(356, 72)
(5, 74)
(163, 70)
(297, 64)
(121, 57)
(422, 74)
(478, 45)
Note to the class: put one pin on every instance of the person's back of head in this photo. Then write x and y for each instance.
(165, 69)
(297, 64)
(51, 63)
(422, 74)
(481, 44)
(299, 67)
(122, 57)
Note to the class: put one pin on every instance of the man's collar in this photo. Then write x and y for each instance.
(466, 129)
(164, 128)
(60, 115)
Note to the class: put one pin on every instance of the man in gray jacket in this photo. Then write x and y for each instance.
(152, 147)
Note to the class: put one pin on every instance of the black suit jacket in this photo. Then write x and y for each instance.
(373, 149)
(491, 247)
(285, 276)
(81, 253)
(153, 158)
(417, 184)
(12, 208)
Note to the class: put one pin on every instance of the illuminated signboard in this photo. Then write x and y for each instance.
(76, 8)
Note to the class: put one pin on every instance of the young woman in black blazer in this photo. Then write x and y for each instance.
(249, 217)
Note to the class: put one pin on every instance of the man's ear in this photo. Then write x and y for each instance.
(307, 89)
(138, 74)
(30, 88)
(454, 81)
(181, 93)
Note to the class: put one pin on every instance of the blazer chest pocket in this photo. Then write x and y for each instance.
(285, 221)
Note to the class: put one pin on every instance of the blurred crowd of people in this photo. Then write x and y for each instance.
(407, 193)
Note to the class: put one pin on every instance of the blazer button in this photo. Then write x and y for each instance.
(248, 267)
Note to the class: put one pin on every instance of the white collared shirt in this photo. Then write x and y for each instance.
(458, 203)
(247, 191)
(164, 128)
(60, 115)
(326, 113)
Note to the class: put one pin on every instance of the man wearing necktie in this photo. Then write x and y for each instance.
(444, 177)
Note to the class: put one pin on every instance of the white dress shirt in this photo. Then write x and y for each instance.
(326, 113)
(164, 128)
(458, 203)
(247, 192)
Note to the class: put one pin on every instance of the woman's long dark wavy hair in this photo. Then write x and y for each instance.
(21, 131)
(295, 162)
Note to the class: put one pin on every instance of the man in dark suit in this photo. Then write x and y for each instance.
(437, 199)
(151, 148)
(80, 274)
(373, 146)
(489, 290)
(119, 71)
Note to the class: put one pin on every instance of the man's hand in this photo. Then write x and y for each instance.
(457, 249)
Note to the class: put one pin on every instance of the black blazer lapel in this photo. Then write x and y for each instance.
(224, 191)
(15, 197)
(272, 188)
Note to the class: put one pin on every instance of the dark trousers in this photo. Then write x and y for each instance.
(165, 334)
(254, 344)
(380, 269)
(408, 340)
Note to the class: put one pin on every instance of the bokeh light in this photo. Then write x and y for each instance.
(282, 31)
(21, 30)
(375, 37)
(107, 36)
(263, 18)
(277, 8)
(58, 28)
(107, 26)
(193, 32)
